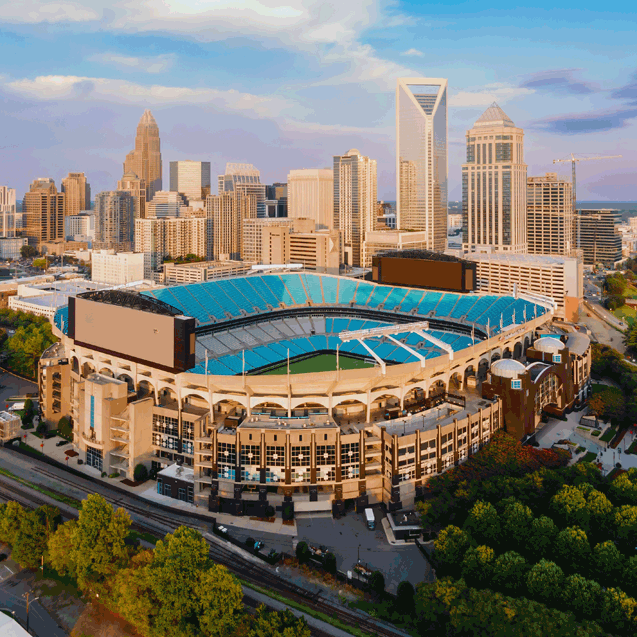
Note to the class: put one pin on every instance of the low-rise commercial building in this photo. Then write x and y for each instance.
(10, 425)
(10, 247)
(203, 271)
(117, 268)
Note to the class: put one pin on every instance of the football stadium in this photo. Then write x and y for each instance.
(307, 392)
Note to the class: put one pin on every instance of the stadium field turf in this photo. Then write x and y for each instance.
(320, 363)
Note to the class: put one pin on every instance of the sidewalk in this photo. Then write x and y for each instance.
(148, 490)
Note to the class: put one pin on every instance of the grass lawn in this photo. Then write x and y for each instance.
(589, 457)
(320, 363)
(629, 314)
(609, 434)
(599, 388)
(632, 448)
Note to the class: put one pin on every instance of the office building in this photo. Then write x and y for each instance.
(80, 227)
(137, 188)
(145, 160)
(162, 237)
(226, 213)
(550, 225)
(421, 158)
(117, 268)
(276, 200)
(190, 178)
(494, 185)
(200, 271)
(252, 236)
(245, 179)
(599, 237)
(558, 277)
(354, 202)
(7, 212)
(10, 247)
(300, 243)
(166, 203)
(384, 240)
(311, 196)
(43, 207)
(77, 194)
(114, 220)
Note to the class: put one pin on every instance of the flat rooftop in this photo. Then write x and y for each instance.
(307, 422)
(184, 473)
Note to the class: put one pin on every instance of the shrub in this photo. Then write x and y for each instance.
(115, 474)
(269, 511)
(64, 428)
(103, 474)
(42, 428)
(140, 473)
(302, 552)
(405, 598)
(28, 407)
(329, 563)
(376, 583)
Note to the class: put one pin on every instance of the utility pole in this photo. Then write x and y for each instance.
(29, 600)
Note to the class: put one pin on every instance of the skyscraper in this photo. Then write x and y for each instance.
(145, 160)
(7, 211)
(550, 227)
(354, 202)
(599, 237)
(246, 178)
(77, 194)
(421, 158)
(114, 220)
(494, 185)
(43, 207)
(190, 178)
(137, 188)
(311, 195)
(166, 204)
(226, 213)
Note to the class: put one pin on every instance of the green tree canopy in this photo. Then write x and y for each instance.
(278, 624)
(572, 548)
(220, 601)
(570, 507)
(509, 573)
(59, 546)
(607, 563)
(31, 541)
(542, 535)
(449, 549)
(516, 520)
(625, 519)
(582, 595)
(477, 565)
(10, 521)
(483, 523)
(544, 581)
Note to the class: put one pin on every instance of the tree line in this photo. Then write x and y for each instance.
(173, 589)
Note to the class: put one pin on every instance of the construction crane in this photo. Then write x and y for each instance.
(574, 161)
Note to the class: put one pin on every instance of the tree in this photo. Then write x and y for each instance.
(582, 595)
(607, 563)
(629, 576)
(625, 519)
(405, 598)
(570, 506)
(449, 549)
(39, 263)
(600, 509)
(329, 563)
(516, 519)
(31, 541)
(509, 573)
(623, 490)
(278, 624)
(140, 473)
(376, 583)
(28, 252)
(614, 284)
(618, 611)
(572, 549)
(174, 575)
(483, 523)
(477, 565)
(541, 536)
(302, 552)
(220, 601)
(60, 557)
(614, 301)
(98, 546)
(12, 516)
(544, 581)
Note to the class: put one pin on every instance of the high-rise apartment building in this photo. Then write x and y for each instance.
(7, 212)
(226, 213)
(252, 234)
(599, 236)
(550, 226)
(244, 178)
(116, 268)
(354, 202)
(169, 236)
(114, 220)
(145, 160)
(190, 178)
(137, 188)
(494, 185)
(43, 207)
(79, 227)
(276, 197)
(166, 203)
(77, 194)
(421, 158)
(311, 195)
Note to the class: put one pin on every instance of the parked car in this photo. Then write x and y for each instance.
(61, 443)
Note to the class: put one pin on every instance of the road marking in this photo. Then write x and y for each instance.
(8, 569)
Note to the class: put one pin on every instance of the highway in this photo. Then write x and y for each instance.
(146, 517)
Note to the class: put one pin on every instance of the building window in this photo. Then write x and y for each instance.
(275, 456)
(325, 455)
(94, 458)
(300, 456)
(350, 453)
(165, 425)
(250, 455)
(92, 412)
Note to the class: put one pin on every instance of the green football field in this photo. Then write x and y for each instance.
(319, 363)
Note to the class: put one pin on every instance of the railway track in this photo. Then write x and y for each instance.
(158, 524)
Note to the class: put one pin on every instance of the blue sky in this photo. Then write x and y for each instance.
(288, 84)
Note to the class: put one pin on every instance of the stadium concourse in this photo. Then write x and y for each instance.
(255, 433)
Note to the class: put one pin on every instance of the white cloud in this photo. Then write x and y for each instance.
(33, 11)
(150, 64)
(69, 87)
(414, 52)
(491, 93)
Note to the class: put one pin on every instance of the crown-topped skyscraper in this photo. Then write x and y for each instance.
(145, 160)
(494, 185)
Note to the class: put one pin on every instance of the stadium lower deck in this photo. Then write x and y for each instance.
(253, 323)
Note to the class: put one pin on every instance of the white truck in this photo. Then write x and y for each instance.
(371, 520)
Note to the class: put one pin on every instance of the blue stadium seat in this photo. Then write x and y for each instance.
(62, 319)
(339, 325)
(295, 287)
(233, 362)
(428, 302)
(363, 292)
(189, 304)
(239, 289)
(207, 300)
(330, 289)
(312, 283)
(279, 350)
(328, 325)
(260, 287)
(411, 300)
(223, 291)
(481, 306)
(346, 291)
(380, 294)
(445, 305)
(395, 298)
(279, 290)
(462, 307)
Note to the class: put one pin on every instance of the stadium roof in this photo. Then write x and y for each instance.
(424, 255)
(131, 300)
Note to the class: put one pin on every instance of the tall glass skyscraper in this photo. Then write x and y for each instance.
(145, 160)
(191, 178)
(494, 185)
(421, 158)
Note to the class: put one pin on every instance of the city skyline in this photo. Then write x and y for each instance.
(324, 84)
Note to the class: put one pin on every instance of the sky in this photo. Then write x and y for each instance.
(289, 84)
